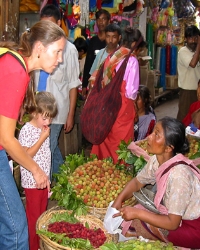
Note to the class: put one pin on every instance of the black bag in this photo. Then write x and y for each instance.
(102, 105)
(146, 198)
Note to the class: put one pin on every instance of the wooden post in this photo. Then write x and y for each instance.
(9, 14)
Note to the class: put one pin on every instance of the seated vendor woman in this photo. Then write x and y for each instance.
(178, 189)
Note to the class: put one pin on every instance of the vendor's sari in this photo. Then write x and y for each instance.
(187, 234)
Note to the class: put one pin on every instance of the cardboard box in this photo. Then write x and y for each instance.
(159, 90)
(171, 81)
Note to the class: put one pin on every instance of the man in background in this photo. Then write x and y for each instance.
(62, 83)
(96, 43)
(188, 71)
(82, 46)
(113, 37)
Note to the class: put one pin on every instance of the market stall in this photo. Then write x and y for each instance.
(161, 22)
(86, 186)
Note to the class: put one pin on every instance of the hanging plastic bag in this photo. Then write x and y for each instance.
(112, 224)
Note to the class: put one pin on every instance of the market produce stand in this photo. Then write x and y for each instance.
(83, 187)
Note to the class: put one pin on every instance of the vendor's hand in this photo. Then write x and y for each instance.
(127, 213)
(41, 179)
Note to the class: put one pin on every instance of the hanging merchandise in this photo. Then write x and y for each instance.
(112, 7)
(71, 34)
(54, 2)
(168, 59)
(77, 32)
(164, 4)
(64, 27)
(196, 3)
(158, 54)
(149, 38)
(84, 9)
(152, 3)
(134, 9)
(92, 5)
(44, 2)
(163, 68)
(106, 3)
(174, 52)
(99, 3)
(139, 8)
(135, 22)
(155, 14)
(184, 8)
(122, 21)
(69, 11)
(129, 7)
(72, 22)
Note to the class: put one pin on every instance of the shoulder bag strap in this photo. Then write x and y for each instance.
(176, 163)
(4, 51)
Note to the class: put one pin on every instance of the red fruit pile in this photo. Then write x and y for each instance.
(95, 236)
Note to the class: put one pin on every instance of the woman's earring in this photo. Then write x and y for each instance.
(38, 56)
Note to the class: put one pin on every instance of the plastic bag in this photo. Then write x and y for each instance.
(112, 224)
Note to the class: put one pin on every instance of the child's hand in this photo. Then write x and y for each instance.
(45, 132)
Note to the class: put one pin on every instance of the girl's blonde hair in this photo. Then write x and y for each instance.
(45, 104)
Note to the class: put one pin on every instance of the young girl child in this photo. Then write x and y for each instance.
(34, 137)
(146, 116)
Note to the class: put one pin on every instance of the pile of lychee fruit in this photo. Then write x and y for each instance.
(98, 182)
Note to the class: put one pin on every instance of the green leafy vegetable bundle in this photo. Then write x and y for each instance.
(128, 160)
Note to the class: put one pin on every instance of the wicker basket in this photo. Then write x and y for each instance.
(101, 212)
(44, 221)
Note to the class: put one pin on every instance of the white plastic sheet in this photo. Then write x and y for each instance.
(112, 224)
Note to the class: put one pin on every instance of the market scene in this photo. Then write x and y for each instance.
(99, 124)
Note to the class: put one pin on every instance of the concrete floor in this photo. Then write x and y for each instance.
(167, 106)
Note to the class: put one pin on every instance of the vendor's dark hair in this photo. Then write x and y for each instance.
(145, 94)
(174, 132)
(51, 10)
(113, 27)
(101, 12)
(191, 31)
(130, 35)
(81, 44)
